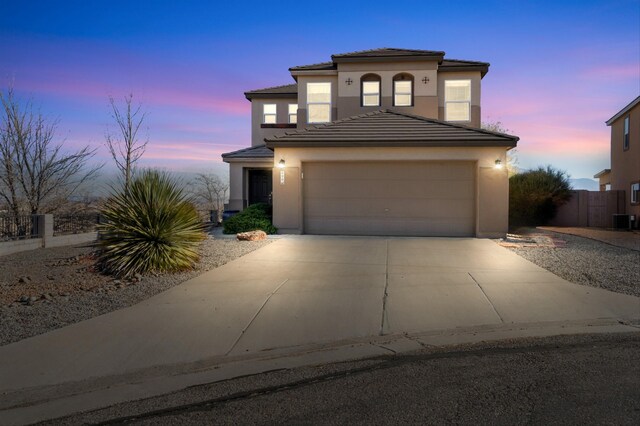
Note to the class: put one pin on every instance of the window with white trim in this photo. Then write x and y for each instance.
(625, 137)
(457, 100)
(293, 113)
(370, 85)
(403, 90)
(318, 102)
(635, 193)
(269, 114)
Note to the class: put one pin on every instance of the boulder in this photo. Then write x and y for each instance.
(252, 236)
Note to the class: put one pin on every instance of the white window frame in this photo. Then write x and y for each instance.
(293, 116)
(265, 114)
(447, 102)
(318, 103)
(377, 93)
(635, 193)
(396, 93)
(625, 133)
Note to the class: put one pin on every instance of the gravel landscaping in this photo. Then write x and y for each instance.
(580, 260)
(46, 289)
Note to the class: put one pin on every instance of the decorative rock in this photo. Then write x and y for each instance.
(252, 236)
(32, 299)
(138, 277)
(64, 294)
(24, 280)
(24, 299)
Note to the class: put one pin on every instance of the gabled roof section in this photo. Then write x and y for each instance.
(623, 111)
(285, 91)
(254, 153)
(385, 53)
(390, 128)
(462, 65)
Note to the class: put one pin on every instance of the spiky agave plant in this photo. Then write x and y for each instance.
(149, 226)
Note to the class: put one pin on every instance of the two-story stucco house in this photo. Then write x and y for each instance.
(624, 174)
(376, 142)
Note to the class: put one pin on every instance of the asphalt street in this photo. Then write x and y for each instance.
(587, 379)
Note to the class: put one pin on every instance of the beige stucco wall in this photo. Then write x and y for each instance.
(282, 116)
(625, 165)
(475, 77)
(238, 182)
(492, 184)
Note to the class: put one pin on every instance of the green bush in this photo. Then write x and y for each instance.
(149, 226)
(255, 217)
(536, 195)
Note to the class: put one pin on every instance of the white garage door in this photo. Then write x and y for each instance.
(389, 198)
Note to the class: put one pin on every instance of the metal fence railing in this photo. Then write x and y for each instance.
(74, 223)
(17, 228)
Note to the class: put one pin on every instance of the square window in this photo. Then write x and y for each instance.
(370, 93)
(319, 113)
(318, 102)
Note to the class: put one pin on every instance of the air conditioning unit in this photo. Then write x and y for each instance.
(621, 221)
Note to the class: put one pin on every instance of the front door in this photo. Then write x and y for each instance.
(260, 186)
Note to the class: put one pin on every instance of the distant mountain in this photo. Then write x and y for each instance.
(585, 183)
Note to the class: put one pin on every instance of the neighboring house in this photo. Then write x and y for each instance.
(624, 174)
(377, 142)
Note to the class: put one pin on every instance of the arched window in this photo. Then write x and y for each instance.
(370, 90)
(403, 90)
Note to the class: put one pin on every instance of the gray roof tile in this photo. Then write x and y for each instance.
(254, 152)
(284, 90)
(391, 128)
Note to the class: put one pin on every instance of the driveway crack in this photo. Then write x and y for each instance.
(386, 293)
(255, 316)
(487, 297)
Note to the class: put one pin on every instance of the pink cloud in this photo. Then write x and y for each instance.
(625, 71)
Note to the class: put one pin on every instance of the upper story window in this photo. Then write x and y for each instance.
(625, 132)
(269, 114)
(293, 113)
(370, 85)
(319, 102)
(457, 100)
(403, 90)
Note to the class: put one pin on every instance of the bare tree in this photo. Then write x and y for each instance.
(36, 175)
(125, 147)
(211, 190)
(512, 154)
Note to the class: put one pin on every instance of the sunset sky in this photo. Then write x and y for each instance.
(559, 69)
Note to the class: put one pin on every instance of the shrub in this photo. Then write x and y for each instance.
(149, 226)
(536, 195)
(255, 217)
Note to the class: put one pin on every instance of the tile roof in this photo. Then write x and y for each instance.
(315, 67)
(254, 152)
(387, 52)
(391, 128)
(463, 65)
(284, 90)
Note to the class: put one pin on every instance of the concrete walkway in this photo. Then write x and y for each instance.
(290, 297)
(624, 239)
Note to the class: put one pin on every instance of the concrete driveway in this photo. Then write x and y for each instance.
(303, 291)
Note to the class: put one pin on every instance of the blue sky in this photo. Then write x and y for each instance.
(558, 71)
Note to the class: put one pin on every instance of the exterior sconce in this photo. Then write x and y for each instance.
(498, 164)
(281, 163)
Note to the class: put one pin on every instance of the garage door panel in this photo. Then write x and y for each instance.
(390, 198)
(403, 227)
(397, 208)
(389, 188)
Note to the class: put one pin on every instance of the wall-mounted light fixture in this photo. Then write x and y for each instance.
(498, 164)
(281, 163)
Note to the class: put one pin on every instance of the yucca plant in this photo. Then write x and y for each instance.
(149, 226)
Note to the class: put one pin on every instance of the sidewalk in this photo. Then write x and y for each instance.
(624, 239)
